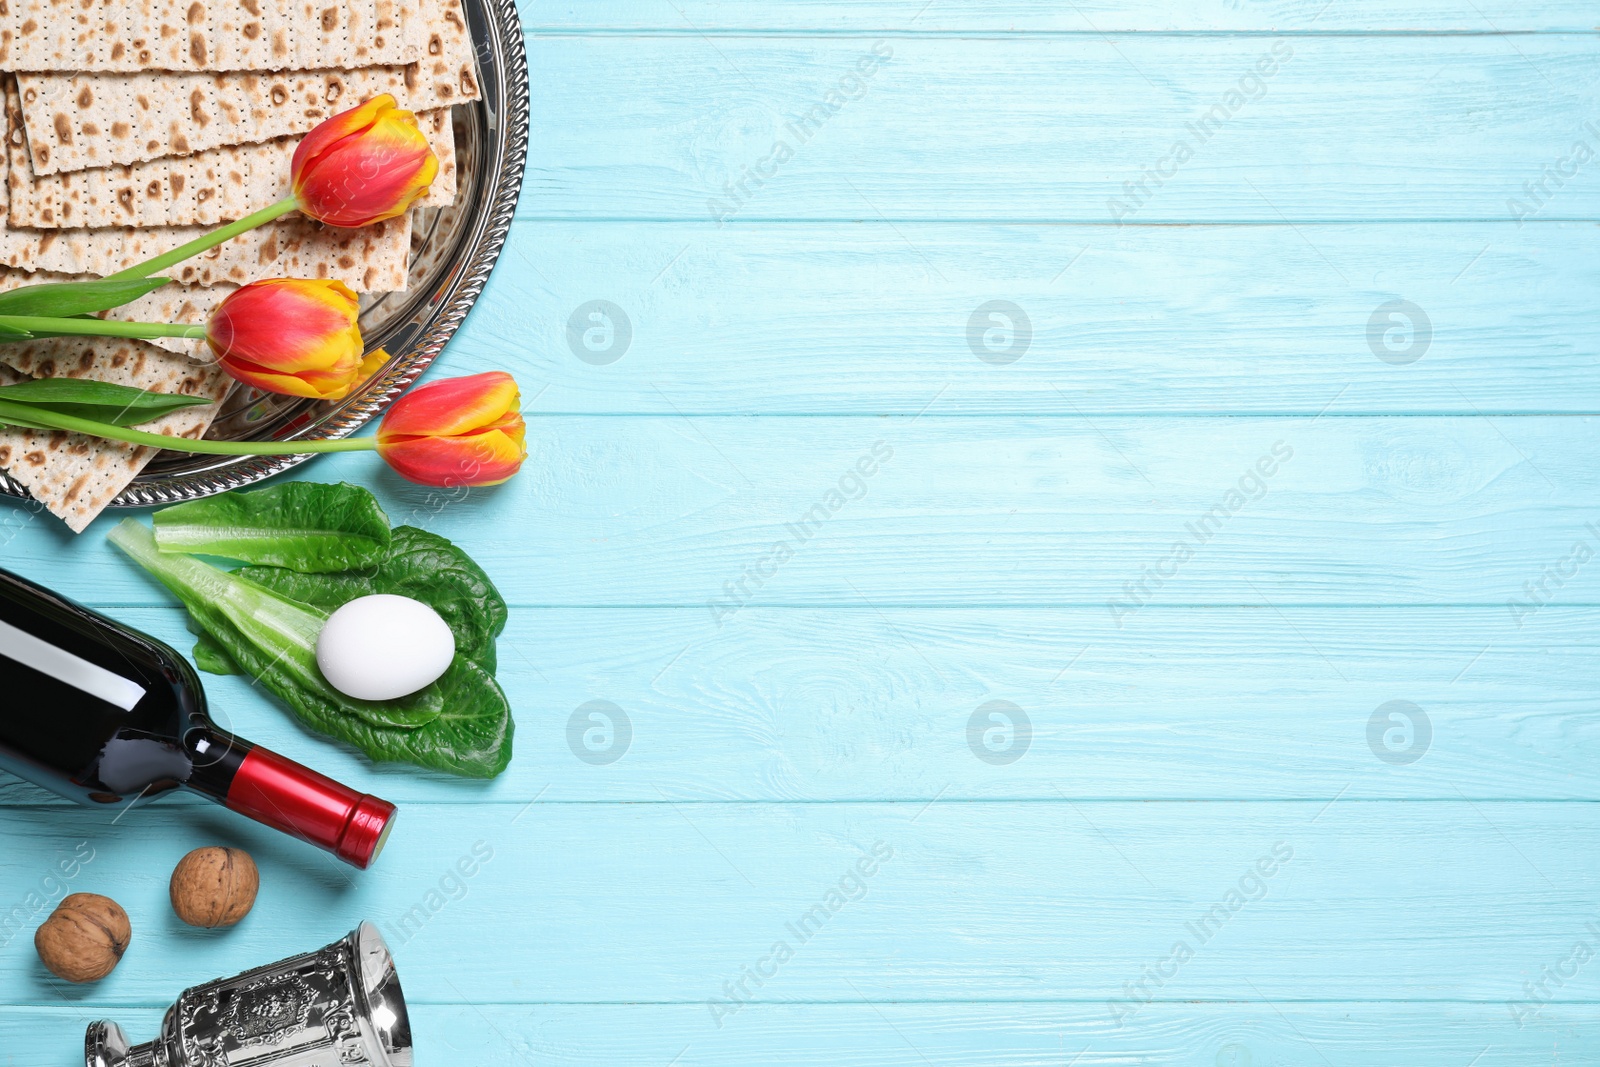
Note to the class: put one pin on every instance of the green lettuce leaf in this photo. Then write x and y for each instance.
(471, 738)
(303, 526)
(212, 657)
(471, 732)
(259, 630)
(419, 565)
(207, 654)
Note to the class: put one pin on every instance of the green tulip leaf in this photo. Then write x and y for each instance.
(116, 405)
(60, 300)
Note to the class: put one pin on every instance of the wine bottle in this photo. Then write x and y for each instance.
(103, 714)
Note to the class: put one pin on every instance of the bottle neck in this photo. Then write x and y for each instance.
(280, 793)
(105, 1045)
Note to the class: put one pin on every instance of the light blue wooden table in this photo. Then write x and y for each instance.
(1117, 471)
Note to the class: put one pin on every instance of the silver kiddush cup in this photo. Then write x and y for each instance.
(339, 1006)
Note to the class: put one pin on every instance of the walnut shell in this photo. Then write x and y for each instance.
(214, 886)
(83, 938)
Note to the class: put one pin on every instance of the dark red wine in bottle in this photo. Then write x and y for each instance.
(105, 715)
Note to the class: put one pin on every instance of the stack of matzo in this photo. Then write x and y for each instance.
(134, 126)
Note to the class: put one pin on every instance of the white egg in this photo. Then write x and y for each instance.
(384, 646)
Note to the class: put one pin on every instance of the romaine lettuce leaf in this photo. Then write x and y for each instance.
(304, 526)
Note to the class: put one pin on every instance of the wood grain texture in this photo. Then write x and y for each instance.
(984, 512)
(1050, 129)
(1185, 716)
(1045, 16)
(692, 512)
(943, 1035)
(856, 704)
(665, 902)
(872, 318)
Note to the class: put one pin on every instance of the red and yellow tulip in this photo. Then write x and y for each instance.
(363, 165)
(293, 336)
(300, 337)
(456, 432)
(359, 167)
(451, 433)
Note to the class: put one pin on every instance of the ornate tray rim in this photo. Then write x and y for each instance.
(503, 77)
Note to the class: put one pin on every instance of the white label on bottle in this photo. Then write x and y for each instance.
(58, 663)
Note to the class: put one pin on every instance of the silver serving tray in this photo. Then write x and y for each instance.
(453, 250)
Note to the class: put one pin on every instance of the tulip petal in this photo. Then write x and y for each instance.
(376, 360)
(331, 131)
(459, 431)
(359, 186)
(365, 165)
(294, 336)
(287, 384)
(452, 406)
(286, 325)
(486, 458)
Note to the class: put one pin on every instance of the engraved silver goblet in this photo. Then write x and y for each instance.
(340, 1005)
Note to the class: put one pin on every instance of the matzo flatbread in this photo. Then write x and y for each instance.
(189, 305)
(76, 121)
(209, 188)
(372, 259)
(369, 259)
(197, 35)
(77, 476)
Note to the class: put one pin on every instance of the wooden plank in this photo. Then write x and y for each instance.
(917, 1035)
(873, 318)
(692, 511)
(1051, 129)
(971, 901)
(855, 704)
(1044, 16)
(989, 512)
(999, 889)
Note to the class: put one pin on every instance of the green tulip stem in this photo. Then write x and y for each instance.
(33, 417)
(210, 240)
(40, 325)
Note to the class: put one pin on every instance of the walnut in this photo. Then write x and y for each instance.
(214, 886)
(83, 938)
